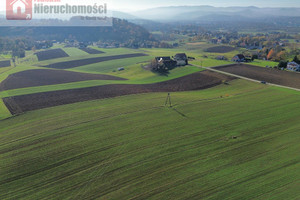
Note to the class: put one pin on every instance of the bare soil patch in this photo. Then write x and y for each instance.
(275, 76)
(91, 51)
(51, 54)
(42, 77)
(220, 49)
(196, 81)
(5, 63)
(88, 61)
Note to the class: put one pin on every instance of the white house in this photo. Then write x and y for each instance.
(293, 66)
(239, 58)
(19, 4)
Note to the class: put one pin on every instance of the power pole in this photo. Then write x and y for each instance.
(168, 100)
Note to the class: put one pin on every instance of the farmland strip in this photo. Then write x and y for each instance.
(88, 61)
(51, 54)
(5, 63)
(42, 77)
(91, 51)
(279, 77)
(196, 81)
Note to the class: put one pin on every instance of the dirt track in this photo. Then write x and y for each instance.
(274, 76)
(42, 77)
(82, 62)
(196, 81)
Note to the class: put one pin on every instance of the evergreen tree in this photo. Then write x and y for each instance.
(296, 60)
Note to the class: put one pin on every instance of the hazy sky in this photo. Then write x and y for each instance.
(134, 5)
(126, 5)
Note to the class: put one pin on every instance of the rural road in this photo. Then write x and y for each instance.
(245, 78)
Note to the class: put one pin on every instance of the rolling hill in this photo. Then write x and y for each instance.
(191, 13)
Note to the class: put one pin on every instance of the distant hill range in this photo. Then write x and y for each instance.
(210, 13)
(122, 31)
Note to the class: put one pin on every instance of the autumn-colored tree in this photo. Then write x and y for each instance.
(281, 56)
(153, 64)
(271, 54)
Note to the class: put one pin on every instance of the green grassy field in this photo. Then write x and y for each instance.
(132, 147)
(5, 56)
(75, 52)
(5, 69)
(109, 66)
(4, 112)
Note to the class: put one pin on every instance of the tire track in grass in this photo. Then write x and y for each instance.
(246, 179)
(280, 188)
(274, 183)
(75, 124)
(98, 172)
(216, 188)
(238, 147)
(161, 144)
(62, 117)
(175, 152)
(126, 154)
(181, 165)
(49, 167)
(277, 150)
(126, 167)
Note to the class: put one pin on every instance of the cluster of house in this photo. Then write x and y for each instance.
(293, 66)
(43, 44)
(76, 44)
(179, 59)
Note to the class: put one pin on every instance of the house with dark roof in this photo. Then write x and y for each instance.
(239, 58)
(165, 62)
(293, 66)
(181, 59)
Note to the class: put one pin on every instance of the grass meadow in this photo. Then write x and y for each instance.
(244, 145)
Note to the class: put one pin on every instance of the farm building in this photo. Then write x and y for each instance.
(293, 66)
(165, 62)
(239, 58)
(181, 59)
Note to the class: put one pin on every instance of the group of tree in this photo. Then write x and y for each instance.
(283, 63)
(17, 47)
(122, 31)
(275, 54)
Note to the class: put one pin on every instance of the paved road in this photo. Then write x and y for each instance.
(245, 78)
